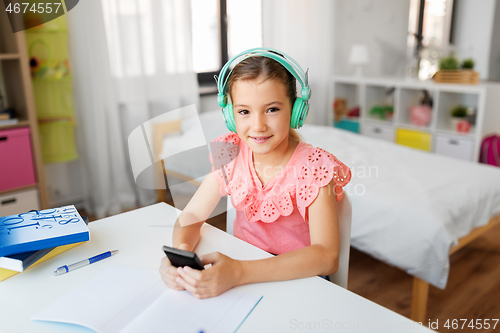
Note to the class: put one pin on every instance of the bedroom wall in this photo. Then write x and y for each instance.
(494, 65)
(382, 25)
(208, 103)
(304, 29)
(474, 25)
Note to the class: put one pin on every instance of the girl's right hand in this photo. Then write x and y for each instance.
(169, 273)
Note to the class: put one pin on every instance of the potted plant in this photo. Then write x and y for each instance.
(448, 63)
(468, 63)
(452, 71)
(458, 115)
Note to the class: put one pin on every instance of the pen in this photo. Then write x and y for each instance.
(69, 268)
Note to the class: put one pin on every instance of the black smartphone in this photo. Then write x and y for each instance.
(181, 258)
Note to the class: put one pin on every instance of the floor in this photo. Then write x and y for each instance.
(473, 290)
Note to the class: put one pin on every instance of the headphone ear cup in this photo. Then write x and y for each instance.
(299, 113)
(229, 117)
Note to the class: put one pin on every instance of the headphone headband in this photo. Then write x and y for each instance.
(291, 65)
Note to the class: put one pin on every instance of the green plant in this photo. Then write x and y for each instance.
(382, 111)
(450, 62)
(468, 63)
(459, 111)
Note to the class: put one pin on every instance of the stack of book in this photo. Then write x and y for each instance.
(30, 238)
(7, 116)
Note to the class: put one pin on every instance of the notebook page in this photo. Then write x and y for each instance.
(127, 299)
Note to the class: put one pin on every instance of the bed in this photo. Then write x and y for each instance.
(411, 209)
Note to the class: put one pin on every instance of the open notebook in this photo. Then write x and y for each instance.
(127, 299)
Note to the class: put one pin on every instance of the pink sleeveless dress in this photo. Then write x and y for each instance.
(274, 217)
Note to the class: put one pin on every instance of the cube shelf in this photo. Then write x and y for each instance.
(15, 76)
(430, 128)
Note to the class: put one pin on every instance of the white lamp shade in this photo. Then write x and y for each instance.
(359, 55)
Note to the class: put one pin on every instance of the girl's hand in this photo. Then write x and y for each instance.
(223, 275)
(169, 273)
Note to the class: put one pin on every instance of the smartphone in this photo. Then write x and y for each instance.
(181, 258)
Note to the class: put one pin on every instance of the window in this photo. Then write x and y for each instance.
(148, 37)
(429, 34)
(221, 29)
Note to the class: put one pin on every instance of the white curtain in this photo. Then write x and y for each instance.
(131, 61)
(304, 29)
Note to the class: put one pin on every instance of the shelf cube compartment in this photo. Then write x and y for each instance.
(411, 111)
(447, 101)
(346, 99)
(379, 101)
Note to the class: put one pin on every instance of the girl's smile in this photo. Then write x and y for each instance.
(260, 139)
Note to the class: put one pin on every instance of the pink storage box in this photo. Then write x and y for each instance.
(16, 159)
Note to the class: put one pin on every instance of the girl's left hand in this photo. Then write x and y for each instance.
(223, 275)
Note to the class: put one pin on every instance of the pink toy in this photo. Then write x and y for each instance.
(420, 115)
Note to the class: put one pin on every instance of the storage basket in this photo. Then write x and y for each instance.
(58, 141)
(16, 159)
(457, 76)
(414, 139)
(53, 97)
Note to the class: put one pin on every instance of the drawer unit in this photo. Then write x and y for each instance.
(455, 147)
(16, 164)
(414, 139)
(19, 202)
(378, 131)
(348, 125)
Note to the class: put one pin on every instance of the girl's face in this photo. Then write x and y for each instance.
(262, 112)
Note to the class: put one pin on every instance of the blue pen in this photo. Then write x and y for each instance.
(69, 268)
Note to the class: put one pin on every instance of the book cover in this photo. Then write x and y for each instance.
(42, 229)
(6, 273)
(20, 262)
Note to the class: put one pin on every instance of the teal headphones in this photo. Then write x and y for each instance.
(301, 104)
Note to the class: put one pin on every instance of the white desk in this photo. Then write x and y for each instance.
(140, 234)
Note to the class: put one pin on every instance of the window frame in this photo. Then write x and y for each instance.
(207, 78)
(420, 23)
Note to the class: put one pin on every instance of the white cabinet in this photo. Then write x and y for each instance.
(378, 131)
(399, 95)
(454, 147)
(19, 202)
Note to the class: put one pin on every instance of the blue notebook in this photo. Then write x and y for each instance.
(42, 229)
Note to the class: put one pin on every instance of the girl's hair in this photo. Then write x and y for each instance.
(254, 67)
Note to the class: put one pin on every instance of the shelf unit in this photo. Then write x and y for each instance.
(16, 79)
(438, 136)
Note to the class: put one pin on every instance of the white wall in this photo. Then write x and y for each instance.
(208, 103)
(474, 20)
(494, 64)
(382, 25)
(304, 29)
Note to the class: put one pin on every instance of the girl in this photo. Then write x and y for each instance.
(284, 190)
